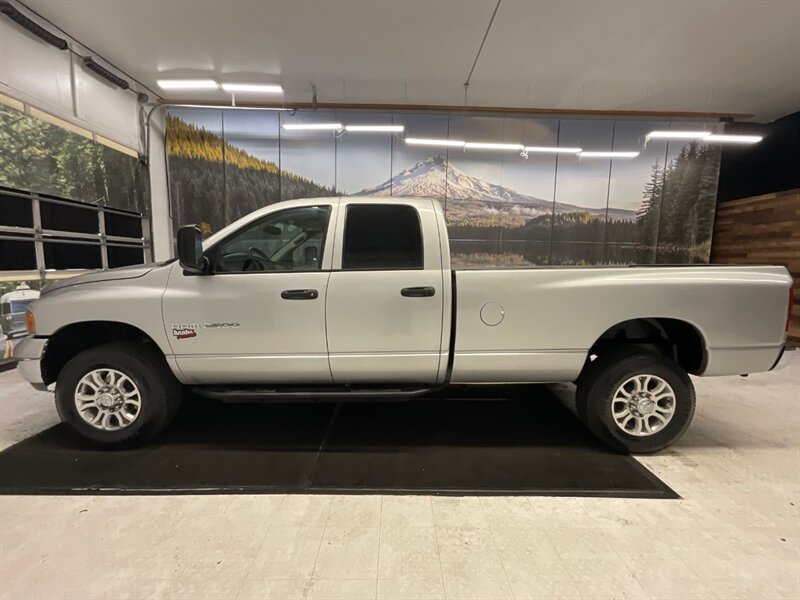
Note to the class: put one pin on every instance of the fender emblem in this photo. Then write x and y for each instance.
(185, 330)
(183, 334)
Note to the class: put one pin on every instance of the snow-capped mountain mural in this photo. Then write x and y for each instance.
(471, 198)
(499, 208)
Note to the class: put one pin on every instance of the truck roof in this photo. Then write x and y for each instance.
(19, 295)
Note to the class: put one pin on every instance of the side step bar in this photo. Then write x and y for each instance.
(332, 393)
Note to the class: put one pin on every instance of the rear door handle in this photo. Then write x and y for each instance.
(418, 292)
(300, 294)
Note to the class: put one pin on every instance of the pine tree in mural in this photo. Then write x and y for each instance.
(678, 205)
(647, 216)
(213, 183)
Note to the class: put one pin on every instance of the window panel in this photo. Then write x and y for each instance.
(382, 237)
(62, 217)
(290, 240)
(67, 255)
(123, 225)
(15, 211)
(17, 255)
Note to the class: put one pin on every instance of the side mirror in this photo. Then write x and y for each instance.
(190, 249)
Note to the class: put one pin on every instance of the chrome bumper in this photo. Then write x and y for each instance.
(784, 360)
(29, 353)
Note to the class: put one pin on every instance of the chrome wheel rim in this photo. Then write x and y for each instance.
(643, 405)
(108, 399)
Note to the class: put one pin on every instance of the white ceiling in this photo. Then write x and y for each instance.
(666, 55)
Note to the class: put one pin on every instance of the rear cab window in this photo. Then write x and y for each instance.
(382, 237)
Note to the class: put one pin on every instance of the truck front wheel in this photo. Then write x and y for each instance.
(118, 394)
(635, 400)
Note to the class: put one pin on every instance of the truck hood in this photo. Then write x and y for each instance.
(131, 272)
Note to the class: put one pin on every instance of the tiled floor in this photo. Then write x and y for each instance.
(735, 534)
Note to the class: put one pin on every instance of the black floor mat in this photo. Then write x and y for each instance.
(523, 443)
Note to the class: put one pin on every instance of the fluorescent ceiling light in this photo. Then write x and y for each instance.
(375, 128)
(608, 154)
(735, 139)
(313, 126)
(492, 146)
(265, 88)
(682, 135)
(187, 84)
(230, 107)
(553, 149)
(432, 142)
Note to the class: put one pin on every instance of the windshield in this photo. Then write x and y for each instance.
(15, 306)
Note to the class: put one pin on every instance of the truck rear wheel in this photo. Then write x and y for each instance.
(118, 394)
(635, 400)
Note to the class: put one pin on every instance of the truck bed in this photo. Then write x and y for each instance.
(551, 317)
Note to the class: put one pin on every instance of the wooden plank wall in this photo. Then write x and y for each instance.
(762, 230)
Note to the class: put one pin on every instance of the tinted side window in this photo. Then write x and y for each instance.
(382, 237)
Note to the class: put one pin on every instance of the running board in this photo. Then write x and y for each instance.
(332, 393)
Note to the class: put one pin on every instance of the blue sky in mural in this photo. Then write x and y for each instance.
(364, 160)
(255, 132)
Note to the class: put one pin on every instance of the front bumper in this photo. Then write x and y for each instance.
(29, 353)
(784, 359)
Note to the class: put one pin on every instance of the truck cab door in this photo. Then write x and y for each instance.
(259, 316)
(386, 294)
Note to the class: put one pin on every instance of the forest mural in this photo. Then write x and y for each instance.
(41, 157)
(503, 209)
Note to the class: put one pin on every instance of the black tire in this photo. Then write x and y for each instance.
(602, 378)
(160, 392)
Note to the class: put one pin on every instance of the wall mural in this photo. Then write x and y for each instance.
(41, 157)
(502, 209)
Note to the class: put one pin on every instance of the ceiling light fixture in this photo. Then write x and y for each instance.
(434, 142)
(594, 154)
(734, 139)
(204, 106)
(261, 88)
(492, 146)
(187, 84)
(560, 150)
(678, 135)
(313, 126)
(375, 128)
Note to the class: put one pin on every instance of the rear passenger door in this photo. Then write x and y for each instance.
(385, 298)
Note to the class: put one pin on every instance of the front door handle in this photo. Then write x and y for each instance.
(300, 294)
(418, 292)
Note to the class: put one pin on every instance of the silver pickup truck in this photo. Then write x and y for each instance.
(355, 297)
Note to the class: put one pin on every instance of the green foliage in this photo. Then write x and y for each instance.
(679, 202)
(41, 157)
(215, 183)
(570, 226)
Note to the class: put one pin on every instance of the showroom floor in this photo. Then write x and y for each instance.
(735, 533)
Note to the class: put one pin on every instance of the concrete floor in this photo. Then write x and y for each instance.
(735, 533)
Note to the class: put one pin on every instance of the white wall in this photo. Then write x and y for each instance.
(159, 194)
(56, 81)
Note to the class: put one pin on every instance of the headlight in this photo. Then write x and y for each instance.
(30, 322)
